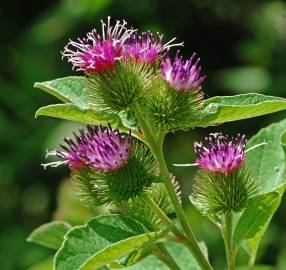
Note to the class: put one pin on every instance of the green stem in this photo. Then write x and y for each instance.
(156, 148)
(163, 255)
(191, 242)
(228, 241)
(160, 213)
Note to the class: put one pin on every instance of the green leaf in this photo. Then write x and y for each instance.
(219, 110)
(101, 241)
(268, 162)
(50, 235)
(73, 113)
(251, 245)
(258, 212)
(67, 89)
(180, 254)
(119, 249)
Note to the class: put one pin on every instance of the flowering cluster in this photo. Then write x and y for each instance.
(100, 148)
(99, 53)
(130, 80)
(219, 153)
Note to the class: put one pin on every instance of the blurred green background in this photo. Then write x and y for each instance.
(242, 45)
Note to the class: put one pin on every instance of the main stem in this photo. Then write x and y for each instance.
(156, 146)
(228, 240)
(191, 243)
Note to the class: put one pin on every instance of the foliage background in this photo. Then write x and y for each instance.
(242, 45)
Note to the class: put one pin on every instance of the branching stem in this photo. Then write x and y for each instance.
(156, 144)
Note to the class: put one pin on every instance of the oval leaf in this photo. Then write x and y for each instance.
(50, 235)
(67, 89)
(119, 249)
(219, 110)
(83, 244)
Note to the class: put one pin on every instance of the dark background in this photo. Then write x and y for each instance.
(242, 46)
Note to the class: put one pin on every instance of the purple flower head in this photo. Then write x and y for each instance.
(182, 75)
(95, 52)
(219, 153)
(101, 148)
(146, 47)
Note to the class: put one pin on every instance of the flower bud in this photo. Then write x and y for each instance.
(182, 76)
(170, 110)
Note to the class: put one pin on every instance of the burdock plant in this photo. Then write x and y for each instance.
(130, 94)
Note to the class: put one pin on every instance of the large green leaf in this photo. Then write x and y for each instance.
(50, 235)
(258, 212)
(71, 112)
(101, 241)
(268, 164)
(219, 110)
(67, 89)
(180, 254)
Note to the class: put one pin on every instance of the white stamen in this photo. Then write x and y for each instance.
(256, 146)
(169, 45)
(53, 164)
(186, 165)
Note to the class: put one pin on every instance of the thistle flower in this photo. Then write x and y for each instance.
(95, 52)
(182, 75)
(224, 183)
(219, 153)
(97, 187)
(146, 47)
(100, 148)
